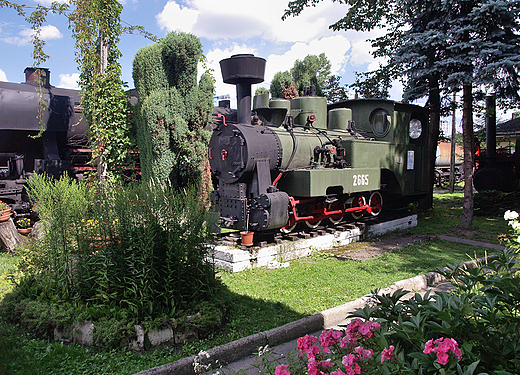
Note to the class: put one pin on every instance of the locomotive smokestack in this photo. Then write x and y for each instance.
(33, 75)
(243, 71)
(491, 128)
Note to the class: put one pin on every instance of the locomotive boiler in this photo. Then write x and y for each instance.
(61, 147)
(308, 162)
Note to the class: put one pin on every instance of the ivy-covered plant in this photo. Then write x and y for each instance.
(96, 26)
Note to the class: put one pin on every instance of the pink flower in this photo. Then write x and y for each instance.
(443, 358)
(337, 372)
(306, 343)
(441, 347)
(365, 353)
(348, 360)
(282, 370)
(348, 341)
(374, 326)
(329, 338)
(387, 353)
(316, 368)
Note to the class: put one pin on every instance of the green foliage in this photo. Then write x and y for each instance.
(279, 82)
(140, 248)
(261, 91)
(96, 26)
(312, 70)
(173, 110)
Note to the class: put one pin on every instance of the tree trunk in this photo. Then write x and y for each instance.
(452, 154)
(433, 138)
(9, 235)
(468, 140)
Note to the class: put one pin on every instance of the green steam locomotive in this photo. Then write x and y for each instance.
(308, 162)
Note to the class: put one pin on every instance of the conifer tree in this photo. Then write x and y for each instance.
(172, 110)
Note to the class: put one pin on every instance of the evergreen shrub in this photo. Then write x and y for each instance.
(173, 111)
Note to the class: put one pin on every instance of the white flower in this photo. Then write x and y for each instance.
(518, 239)
(515, 225)
(511, 215)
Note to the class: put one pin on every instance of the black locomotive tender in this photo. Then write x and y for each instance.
(309, 162)
(62, 147)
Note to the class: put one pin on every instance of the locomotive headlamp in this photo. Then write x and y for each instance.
(415, 128)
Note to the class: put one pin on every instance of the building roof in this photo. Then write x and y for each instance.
(509, 127)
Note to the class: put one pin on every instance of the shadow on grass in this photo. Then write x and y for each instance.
(22, 352)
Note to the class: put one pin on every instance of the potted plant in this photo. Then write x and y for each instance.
(5, 211)
(24, 225)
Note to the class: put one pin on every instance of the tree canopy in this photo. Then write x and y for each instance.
(311, 71)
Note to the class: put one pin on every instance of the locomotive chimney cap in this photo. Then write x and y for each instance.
(36, 76)
(243, 68)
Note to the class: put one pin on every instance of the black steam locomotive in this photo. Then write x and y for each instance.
(61, 147)
(307, 161)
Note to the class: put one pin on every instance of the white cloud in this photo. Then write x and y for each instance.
(3, 77)
(177, 18)
(244, 19)
(334, 47)
(360, 54)
(69, 81)
(47, 32)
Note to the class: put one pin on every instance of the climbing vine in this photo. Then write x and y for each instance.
(96, 25)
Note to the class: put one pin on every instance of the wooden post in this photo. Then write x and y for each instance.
(9, 235)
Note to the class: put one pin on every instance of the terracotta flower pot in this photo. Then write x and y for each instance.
(24, 231)
(247, 238)
(5, 214)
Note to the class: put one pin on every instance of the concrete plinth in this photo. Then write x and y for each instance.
(235, 259)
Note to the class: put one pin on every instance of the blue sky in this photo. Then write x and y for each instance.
(225, 27)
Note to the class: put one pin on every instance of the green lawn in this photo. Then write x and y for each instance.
(261, 299)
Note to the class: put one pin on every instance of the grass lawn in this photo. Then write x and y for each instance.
(261, 299)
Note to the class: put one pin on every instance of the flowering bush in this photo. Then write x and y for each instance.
(358, 350)
(441, 347)
(472, 329)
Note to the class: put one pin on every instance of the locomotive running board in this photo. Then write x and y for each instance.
(235, 258)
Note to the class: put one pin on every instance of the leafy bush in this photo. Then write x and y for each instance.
(473, 329)
(138, 251)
